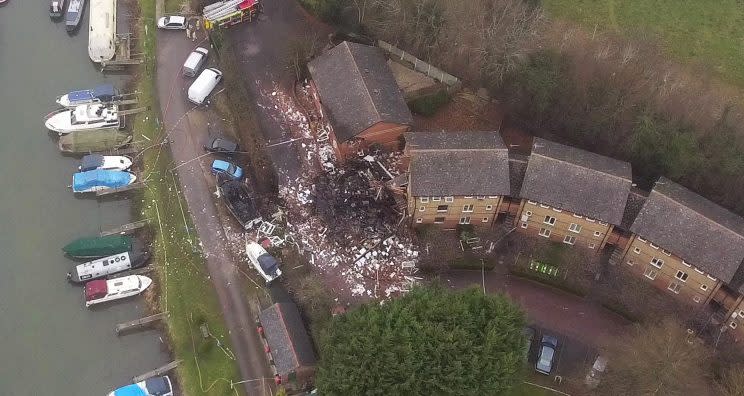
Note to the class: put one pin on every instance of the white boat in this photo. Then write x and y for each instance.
(100, 94)
(106, 266)
(100, 291)
(88, 117)
(102, 30)
(155, 386)
(104, 162)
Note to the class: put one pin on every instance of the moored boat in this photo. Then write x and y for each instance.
(74, 14)
(90, 117)
(96, 247)
(239, 202)
(100, 179)
(56, 9)
(100, 291)
(155, 386)
(104, 162)
(102, 30)
(106, 266)
(93, 141)
(100, 94)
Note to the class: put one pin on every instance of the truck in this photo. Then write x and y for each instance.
(226, 13)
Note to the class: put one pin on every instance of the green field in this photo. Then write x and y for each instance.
(703, 32)
(529, 390)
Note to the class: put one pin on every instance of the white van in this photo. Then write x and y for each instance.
(194, 62)
(203, 85)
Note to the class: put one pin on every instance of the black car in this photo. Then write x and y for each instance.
(219, 144)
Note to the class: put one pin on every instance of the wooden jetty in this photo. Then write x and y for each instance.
(158, 371)
(140, 323)
(128, 187)
(126, 228)
(123, 56)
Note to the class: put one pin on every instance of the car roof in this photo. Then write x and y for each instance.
(220, 164)
(177, 18)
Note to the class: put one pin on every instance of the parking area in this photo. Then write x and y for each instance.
(572, 359)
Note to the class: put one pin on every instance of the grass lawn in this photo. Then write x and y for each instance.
(530, 390)
(185, 290)
(697, 31)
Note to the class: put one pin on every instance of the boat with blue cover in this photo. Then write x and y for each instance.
(155, 386)
(100, 94)
(101, 179)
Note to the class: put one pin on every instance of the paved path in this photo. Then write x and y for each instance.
(187, 127)
(548, 307)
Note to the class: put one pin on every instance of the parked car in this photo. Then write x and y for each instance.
(263, 262)
(203, 85)
(219, 144)
(544, 363)
(595, 374)
(195, 61)
(529, 335)
(173, 22)
(227, 169)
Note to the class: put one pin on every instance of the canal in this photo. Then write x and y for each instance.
(50, 343)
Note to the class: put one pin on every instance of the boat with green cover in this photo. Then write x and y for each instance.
(86, 142)
(96, 247)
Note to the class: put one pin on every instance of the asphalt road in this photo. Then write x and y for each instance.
(187, 130)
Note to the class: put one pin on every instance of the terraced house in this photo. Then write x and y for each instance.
(572, 196)
(456, 177)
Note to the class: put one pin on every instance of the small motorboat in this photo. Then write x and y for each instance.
(97, 247)
(100, 94)
(104, 162)
(106, 266)
(74, 14)
(90, 117)
(56, 9)
(100, 291)
(99, 180)
(155, 386)
(2, 2)
(239, 202)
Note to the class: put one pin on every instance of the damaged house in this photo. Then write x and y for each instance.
(291, 350)
(356, 91)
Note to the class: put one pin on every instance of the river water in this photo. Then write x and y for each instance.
(50, 344)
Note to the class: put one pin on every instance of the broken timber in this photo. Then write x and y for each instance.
(126, 228)
(158, 371)
(124, 56)
(128, 187)
(139, 323)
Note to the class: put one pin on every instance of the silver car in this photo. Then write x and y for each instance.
(544, 363)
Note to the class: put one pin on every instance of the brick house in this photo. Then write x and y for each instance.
(687, 245)
(289, 344)
(572, 196)
(456, 177)
(358, 94)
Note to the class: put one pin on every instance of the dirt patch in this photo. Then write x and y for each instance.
(465, 112)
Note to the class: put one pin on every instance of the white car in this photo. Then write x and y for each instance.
(263, 262)
(175, 22)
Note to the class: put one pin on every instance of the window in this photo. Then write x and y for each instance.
(544, 206)
(532, 202)
(523, 225)
(436, 199)
(574, 228)
(442, 208)
(528, 213)
(465, 220)
(732, 324)
(668, 253)
(641, 239)
(422, 208)
(449, 199)
(696, 299)
(711, 278)
(469, 196)
(589, 219)
(630, 262)
(686, 264)
(419, 220)
(557, 210)
(650, 273)
(703, 287)
(653, 246)
(681, 275)
(602, 223)
(438, 220)
(544, 232)
(467, 208)
(549, 220)
(657, 262)
(674, 287)
(489, 207)
(485, 220)
(597, 234)
(741, 312)
(578, 216)
(569, 240)
(424, 199)
(480, 197)
(493, 197)
(591, 245)
(699, 272)
(637, 250)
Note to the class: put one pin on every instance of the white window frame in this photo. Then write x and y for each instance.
(653, 246)
(424, 199)
(597, 234)
(592, 245)
(544, 232)
(419, 220)
(630, 262)
(697, 299)
(489, 207)
(676, 289)
(712, 278)
(439, 222)
(557, 210)
(485, 220)
(464, 220)
(641, 239)
(684, 276)
(547, 220)
(589, 219)
(544, 206)
(573, 227)
(436, 199)
(528, 213)
(468, 208)
(523, 225)
(442, 210)
(650, 273)
(531, 202)
(449, 199)
(732, 324)
(668, 253)
(422, 208)
(493, 197)
(637, 250)
(468, 197)
(741, 312)
(657, 262)
(578, 216)
(602, 222)
(480, 197)
(699, 272)
(569, 240)
(686, 263)
(704, 287)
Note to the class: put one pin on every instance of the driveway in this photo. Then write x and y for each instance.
(187, 128)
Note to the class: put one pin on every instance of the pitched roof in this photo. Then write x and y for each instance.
(457, 163)
(636, 199)
(688, 225)
(357, 89)
(286, 335)
(517, 168)
(580, 181)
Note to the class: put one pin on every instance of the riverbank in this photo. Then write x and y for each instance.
(185, 290)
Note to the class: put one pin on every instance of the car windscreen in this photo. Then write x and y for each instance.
(231, 169)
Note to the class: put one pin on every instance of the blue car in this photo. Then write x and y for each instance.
(232, 171)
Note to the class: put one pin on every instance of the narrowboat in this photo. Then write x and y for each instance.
(106, 266)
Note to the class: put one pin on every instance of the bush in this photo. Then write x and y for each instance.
(428, 105)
